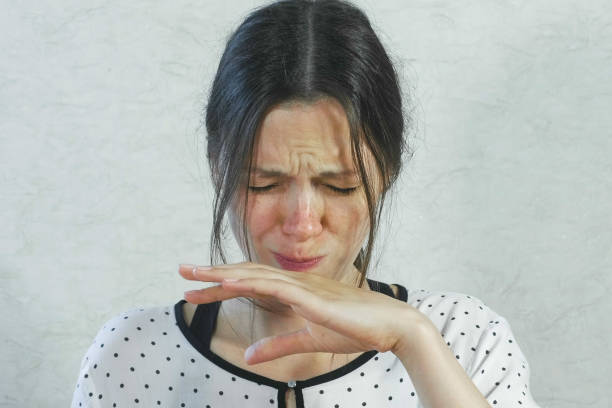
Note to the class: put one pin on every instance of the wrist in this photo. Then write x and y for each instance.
(415, 339)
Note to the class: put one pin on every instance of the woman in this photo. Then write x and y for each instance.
(305, 138)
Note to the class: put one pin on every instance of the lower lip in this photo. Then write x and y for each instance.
(296, 266)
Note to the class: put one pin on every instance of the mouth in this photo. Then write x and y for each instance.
(297, 265)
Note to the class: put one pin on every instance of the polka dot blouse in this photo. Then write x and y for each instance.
(149, 357)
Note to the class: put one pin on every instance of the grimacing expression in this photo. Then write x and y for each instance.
(305, 197)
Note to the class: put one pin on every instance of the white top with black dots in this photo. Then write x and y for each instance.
(149, 357)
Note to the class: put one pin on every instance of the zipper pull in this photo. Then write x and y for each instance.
(291, 383)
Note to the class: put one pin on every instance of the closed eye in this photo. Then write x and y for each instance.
(343, 191)
(261, 189)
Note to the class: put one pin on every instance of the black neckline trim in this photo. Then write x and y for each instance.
(204, 349)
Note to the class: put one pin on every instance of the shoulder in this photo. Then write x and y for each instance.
(453, 313)
(129, 329)
(470, 328)
(443, 301)
(124, 341)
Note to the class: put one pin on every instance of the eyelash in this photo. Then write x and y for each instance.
(343, 191)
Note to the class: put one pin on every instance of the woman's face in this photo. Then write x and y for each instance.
(305, 198)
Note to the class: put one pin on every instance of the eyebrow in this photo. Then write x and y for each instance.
(271, 173)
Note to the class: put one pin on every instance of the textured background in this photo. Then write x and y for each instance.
(105, 191)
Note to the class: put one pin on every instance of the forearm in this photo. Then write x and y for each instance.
(440, 381)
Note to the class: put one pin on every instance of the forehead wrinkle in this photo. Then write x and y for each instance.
(307, 161)
(295, 156)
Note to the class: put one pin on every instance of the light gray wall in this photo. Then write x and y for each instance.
(105, 191)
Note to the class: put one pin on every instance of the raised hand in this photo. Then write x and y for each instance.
(339, 318)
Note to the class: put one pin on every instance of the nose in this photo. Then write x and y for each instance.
(302, 215)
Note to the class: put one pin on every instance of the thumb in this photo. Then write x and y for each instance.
(270, 348)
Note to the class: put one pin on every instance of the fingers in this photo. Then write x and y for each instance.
(238, 271)
(278, 289)
(210, 274)
(259, 288)
(218, 293)
(271, 348)
(208, 295)
(192, 272)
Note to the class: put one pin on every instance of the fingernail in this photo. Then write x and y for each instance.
(248, 353)
(200, 268)
(191, 292)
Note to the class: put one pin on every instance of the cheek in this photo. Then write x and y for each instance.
(348, 218)
(261, 214)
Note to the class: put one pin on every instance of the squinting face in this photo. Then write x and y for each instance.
(305, 197)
